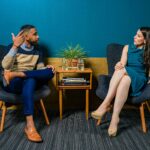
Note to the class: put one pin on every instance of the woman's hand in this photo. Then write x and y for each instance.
(119, 66)
(18, 39)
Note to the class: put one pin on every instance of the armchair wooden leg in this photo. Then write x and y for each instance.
(4, 109)
(44, 112)
(143, 118)
(1, 103)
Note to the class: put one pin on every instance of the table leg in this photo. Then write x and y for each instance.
(60, 104)
(87, 104)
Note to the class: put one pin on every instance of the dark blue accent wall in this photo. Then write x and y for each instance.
(91, 23)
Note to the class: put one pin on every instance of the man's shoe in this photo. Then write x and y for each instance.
(6, 76)
(33, 135)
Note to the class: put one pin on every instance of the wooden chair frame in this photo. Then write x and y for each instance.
(3, 107)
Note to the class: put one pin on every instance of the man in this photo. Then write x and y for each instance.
(24, 71)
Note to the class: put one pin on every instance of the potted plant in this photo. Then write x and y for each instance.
(71, 54)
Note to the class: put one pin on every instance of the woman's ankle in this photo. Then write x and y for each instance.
(115, 121)
(103, 107)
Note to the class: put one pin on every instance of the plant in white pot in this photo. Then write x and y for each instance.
(71, 54)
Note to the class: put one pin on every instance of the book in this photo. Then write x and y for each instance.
(81, 80)
(71, 83)
(74, 81)
(68, 78)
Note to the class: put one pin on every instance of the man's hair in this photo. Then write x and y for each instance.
(26, 28)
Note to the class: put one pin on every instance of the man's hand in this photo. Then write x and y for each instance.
(119, 66)
(52, 67)
(18, 39)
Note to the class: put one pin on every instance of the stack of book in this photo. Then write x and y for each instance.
(74, 81)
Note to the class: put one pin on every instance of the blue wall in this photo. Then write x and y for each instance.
(92, 23)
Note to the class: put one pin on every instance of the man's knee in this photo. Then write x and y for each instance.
(50, 73)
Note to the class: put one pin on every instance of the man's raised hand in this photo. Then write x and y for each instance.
(18, 39)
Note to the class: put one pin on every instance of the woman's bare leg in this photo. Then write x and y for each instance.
(114, 82)
(120, 99)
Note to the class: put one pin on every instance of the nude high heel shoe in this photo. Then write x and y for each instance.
(112, 132)
(97, 115)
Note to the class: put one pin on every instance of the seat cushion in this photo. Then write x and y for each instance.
(43, 92)
(103, 85)
(145, 95)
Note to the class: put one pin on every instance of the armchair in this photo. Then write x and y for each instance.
(6, 97)
(114, 52)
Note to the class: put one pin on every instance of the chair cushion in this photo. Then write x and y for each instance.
(145, 95)
(43, 92)
(2, 54)
(103, 85)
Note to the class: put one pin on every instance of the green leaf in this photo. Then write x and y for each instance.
(71, 52)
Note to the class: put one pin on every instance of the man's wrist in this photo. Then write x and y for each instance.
(12, 52)
(15, 46)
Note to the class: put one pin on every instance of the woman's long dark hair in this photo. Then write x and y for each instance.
(146, 33)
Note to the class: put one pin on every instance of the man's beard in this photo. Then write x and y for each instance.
(34, 43)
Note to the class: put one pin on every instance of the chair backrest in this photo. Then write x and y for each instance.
(2, 54)
(114, 52)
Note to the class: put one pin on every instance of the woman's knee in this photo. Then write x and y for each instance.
(124, 84)
(120, 72)
(125, 81)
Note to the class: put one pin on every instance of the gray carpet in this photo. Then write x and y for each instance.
(75, 133)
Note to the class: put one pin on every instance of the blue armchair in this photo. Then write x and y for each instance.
(6, 97)
(114, 52)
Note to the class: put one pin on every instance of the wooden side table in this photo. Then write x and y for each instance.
(59, 72)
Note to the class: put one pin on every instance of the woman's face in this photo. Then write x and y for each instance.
(139, 39)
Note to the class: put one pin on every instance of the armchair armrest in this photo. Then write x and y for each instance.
(103, 85)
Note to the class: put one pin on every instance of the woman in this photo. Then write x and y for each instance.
(131, 74)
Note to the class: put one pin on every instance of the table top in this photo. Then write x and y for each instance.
(86, 70)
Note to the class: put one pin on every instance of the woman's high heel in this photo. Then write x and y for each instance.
(112, 132)
(97, 115)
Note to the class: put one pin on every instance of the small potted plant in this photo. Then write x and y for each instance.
(71, 54)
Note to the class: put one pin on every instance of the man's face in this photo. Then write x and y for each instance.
(32, 36)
